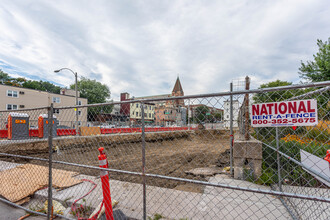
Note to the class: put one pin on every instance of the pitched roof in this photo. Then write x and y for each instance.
(177, 86)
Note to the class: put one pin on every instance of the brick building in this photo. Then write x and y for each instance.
(162, 113)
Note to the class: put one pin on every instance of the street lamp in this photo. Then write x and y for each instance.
(76, 89)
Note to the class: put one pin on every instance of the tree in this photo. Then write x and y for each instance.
(4, 77)
(201, 113)
(18, 81)
(276, 96)
(319, 69)
(50, 87)
(217, 116)
(95, 92)
(42, 86)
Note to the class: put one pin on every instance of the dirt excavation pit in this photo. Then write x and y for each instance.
(166, 154)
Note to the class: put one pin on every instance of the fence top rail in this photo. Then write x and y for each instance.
(310, 93)
(207, 95)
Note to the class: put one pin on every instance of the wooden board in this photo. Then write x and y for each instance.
(88, 131)
(22, 181)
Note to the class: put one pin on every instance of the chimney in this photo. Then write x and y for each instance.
(124, 96)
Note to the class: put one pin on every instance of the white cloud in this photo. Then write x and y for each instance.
(141, 46)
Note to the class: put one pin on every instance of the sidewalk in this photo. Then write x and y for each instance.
(214, 203)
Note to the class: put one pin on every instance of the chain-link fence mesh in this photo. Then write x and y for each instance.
(171, 158)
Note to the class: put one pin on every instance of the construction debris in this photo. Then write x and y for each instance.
(22, 181)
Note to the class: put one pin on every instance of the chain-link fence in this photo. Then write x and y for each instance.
(211, 156)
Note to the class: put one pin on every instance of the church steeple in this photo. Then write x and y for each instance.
(177, 90)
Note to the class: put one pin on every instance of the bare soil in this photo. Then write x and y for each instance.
(168, 156)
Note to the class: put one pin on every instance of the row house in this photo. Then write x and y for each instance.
(161, 113)
(136, 112)
(165, 116)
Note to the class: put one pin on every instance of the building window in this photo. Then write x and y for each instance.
(56, 99)
(136, 113)
(56, 111)
(79, 102)
(12, 93)
(79, 112)
(149, 107)
(11, 107)
(137, 105)
(149, 115)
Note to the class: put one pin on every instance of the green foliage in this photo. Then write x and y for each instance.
(4, 77)
(268, 176)
(200, 113)
(30, 84)
(217, 116)
(155, 217)
(17, 81)
(319, 69)
(94, 91)
(268, 134)
(42, 86)
(276, 96)
(289, 170)
(318, 135)
(83, 210)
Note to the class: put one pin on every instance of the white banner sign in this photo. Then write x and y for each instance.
(289, 113)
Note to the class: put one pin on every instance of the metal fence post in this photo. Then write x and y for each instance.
(188, 114)
(278, 161)
(231, 130)
(50, 148)
(143, 164)
(246, 112)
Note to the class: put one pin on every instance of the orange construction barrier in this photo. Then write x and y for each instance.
(40, 127)
(105, 185)
(327, 156)
(10, 127)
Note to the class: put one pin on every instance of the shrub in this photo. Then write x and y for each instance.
(290, 170)
(319, 134)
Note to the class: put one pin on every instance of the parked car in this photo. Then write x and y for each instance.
(107, 126)
(63, 127)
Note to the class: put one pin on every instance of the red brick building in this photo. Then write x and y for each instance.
(166, 112)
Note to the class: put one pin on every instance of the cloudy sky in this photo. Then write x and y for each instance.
(141, 47)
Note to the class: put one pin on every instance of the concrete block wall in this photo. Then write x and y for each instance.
(247, 158)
